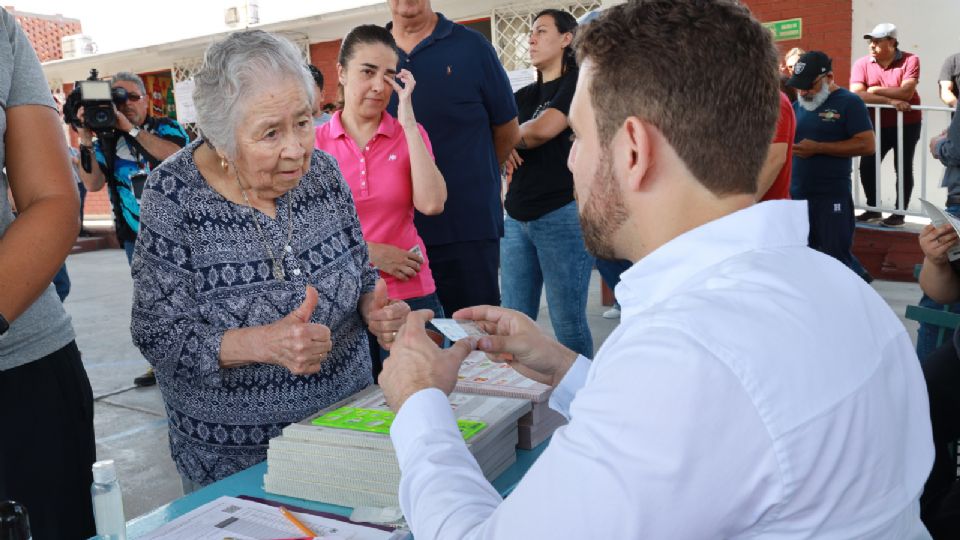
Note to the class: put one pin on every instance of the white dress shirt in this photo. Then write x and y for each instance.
(755, 388)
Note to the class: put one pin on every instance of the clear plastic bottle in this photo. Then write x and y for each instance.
(107, 502)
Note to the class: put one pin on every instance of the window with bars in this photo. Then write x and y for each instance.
(511, 28)
(185, 68)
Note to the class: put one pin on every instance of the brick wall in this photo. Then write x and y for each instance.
(324, 56)
(827, 26)
(45, 31)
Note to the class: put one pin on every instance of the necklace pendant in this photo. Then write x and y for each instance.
(278, 272)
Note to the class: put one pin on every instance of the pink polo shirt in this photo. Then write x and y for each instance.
(379, 178)
(868, 72)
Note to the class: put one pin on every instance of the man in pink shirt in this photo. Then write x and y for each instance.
(888, 76)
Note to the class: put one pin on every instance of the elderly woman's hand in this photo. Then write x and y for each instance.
(294, 342)
(937, 241)
(383, 316)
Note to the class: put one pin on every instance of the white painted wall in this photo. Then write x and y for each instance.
(927, 28)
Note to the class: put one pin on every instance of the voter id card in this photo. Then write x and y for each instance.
(456, 330)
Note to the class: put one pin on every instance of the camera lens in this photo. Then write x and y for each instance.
(101, 117)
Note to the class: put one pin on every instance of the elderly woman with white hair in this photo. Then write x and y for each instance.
(252, 282)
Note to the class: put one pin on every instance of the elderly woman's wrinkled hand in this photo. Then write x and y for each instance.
(383, 316)
(295, 343)
(937, 241)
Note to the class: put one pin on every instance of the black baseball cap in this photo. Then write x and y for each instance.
(808, 67)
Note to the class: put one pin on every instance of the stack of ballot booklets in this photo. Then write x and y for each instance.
(480, 375)
(343, 454)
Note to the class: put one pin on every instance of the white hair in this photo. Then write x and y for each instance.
(233, 70)
(130, 77)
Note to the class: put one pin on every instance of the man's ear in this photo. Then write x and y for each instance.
(634, 146)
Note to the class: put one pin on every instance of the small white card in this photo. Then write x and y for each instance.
(456, 330)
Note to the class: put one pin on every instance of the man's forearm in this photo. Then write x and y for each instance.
(875, 99)
(847, 148)
(159, 148)
(93, 180)
(505, 138)
(898, 92)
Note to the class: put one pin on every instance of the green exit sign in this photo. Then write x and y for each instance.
(786, 29)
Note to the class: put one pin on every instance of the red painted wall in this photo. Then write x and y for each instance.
(827, 26)
(324, 57)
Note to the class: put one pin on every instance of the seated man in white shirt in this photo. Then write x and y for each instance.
(755, 388)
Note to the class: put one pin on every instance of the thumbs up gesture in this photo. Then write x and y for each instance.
(294, 342)
(383, 316)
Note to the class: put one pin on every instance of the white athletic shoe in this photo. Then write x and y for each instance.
(612, 313)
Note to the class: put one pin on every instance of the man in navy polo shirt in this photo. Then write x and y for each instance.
(465, 103)
(832, 127)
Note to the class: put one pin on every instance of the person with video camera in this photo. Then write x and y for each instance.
(135, 145)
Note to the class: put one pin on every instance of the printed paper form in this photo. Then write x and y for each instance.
(939, 217)
(230, 517)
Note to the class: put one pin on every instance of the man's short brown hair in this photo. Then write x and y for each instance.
(704, 72)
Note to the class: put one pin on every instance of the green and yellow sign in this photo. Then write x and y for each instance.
(786, 29)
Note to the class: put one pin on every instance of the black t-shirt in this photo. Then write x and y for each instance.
(543, 183)
(951, 72)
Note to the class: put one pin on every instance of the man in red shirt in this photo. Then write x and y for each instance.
(888, 76)
(774, 180)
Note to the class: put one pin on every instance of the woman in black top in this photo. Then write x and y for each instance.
(542, 242)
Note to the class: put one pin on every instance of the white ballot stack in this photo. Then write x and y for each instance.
(343, 455)
(480, 375)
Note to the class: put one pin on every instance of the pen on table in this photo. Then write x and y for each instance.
(296, 522)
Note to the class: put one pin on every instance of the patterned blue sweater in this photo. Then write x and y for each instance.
(200, 268)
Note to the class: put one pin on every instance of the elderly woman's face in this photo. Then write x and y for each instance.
(275, 139)
(366, 90)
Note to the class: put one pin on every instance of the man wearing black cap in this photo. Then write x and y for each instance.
(832, 127)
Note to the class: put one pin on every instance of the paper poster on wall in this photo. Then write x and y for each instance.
(521, 77)
(183, 94)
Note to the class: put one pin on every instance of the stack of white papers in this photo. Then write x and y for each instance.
(242, 519)
(480, 375)
(343, 455)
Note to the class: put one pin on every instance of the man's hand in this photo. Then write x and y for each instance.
(397, 262)
(416, 363)
(294, 342)
(383, 316)
(517, 340)
(805, 148)
(900, 104)
(934, 142)
(937, 241)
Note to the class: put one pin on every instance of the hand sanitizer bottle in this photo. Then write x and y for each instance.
(107, 502)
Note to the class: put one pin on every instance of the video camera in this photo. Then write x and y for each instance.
(97, 99)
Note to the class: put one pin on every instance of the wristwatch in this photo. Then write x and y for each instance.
(134, 131)
(4, 325)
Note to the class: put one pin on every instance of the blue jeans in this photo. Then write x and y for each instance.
(549, 251)
(128, 247)
(927, 333)
(61, 282)
(610, 270)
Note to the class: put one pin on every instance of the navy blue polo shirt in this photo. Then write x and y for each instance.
(462, 91)
(841, 116)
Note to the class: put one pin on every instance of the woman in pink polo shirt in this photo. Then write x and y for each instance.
(387, 162)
